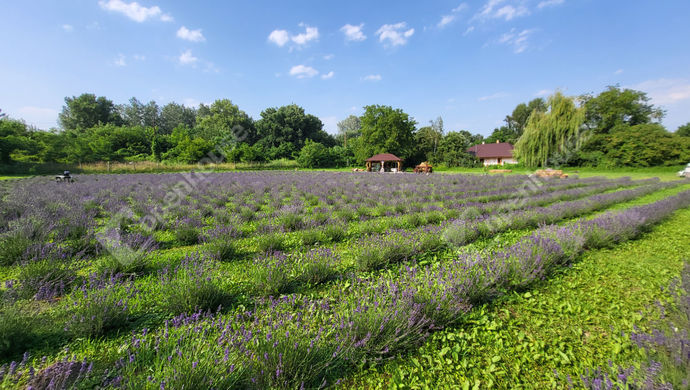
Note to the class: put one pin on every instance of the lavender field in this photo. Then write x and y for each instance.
(280, 279)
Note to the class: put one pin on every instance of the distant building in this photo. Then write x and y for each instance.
(384, 162)
(494, 154)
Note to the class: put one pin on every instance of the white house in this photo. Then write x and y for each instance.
(494, 154)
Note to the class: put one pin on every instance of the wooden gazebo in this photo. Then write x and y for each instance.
(384, 162)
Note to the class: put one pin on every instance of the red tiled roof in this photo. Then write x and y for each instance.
(502, 150)
(384, 157)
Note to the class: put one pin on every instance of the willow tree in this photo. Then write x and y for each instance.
(552, 132)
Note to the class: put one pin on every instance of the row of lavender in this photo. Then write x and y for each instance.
(292, 342)
(277, 273)
(39, 220)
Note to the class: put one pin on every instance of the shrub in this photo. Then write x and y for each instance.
(45, 279)
(187, 235)
(291, 222)
(317, 266)
(13, 245)
(101, 304)
(312, 237)
(272, 274)
(224, 250)
(195, 354)
(16, 329)
(111, 264)
(334, 233)
(191, 286)
(270, 243)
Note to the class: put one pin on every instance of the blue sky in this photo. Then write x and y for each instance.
(469, 62)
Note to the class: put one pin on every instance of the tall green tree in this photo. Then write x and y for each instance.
(554, 132)
(86, 111)
(138, 114)
(645, 145)
(224, 121)
(173, 115)
(615, 107)
(427, 141)
(286, 129)
(453, 150)
(349, 128)
(683, 131)
(517, 120)
(386, 130)
(15, 138)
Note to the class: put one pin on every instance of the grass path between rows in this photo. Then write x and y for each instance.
(579, 319)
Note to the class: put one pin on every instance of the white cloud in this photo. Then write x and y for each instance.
(120, 61)
(494, 9)
(448, 19)
(619, 71)
(543, 92)
(187, 58)
(519, 41)
(469, 30)
(394, 34)
(139, 57)
(445, 20)
(550, 3)
(190, 35)
(310, 34)
(279, 37)
(329, 57)
(282, 37)
(497, 95)
(460, 8)
(303, 71)
(372, 77)
(135, 11)
(68, 27)
(328, 75)
(665, 91)
(353, 33)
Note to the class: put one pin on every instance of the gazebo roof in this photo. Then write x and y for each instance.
(384, 157)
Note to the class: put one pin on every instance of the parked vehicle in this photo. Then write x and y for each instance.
(66, 177)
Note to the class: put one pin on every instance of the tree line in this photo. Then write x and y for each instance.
(617, 127)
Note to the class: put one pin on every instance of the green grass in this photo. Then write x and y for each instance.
(11, 177)
(663, 173)
(579, 319)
